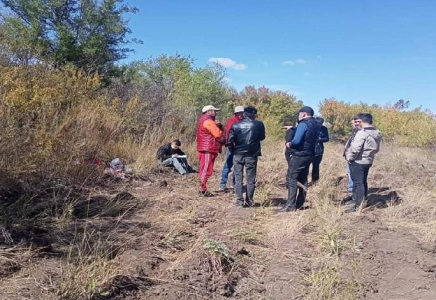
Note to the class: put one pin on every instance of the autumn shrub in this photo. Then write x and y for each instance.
(274, 107)
(416, 127)
(171, 92)
(51, 118)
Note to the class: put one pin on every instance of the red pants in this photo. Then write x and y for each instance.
(207, 161)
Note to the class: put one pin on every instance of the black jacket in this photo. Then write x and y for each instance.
(309, 140)
(323, 138)
(288, 138)
(245, 137)
(166, 152)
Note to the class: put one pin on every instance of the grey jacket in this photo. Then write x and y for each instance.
(364, 146)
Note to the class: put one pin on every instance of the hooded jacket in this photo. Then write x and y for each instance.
(364, 146)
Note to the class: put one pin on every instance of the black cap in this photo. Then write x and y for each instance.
(307, 109)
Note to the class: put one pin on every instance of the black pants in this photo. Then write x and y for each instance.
(250, 165)
(298, 169)
(315, 167)
(288, 156)
(359, 175)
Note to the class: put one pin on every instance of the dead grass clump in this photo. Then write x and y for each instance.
(12, 259)
(89, 266)
(326, 283)
(249, 235)
(283, 230)
(414, 181)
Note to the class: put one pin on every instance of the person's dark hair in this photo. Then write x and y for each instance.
(250, 112)
(177, 142)
(366, 118)
(355, 118)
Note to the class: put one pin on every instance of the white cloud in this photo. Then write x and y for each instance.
(288, 62)
(228, 63)
(227, 79)
(307, 74)
(299, 61)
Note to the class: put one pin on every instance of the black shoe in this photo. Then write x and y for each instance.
(240, 204)
(351, 209)
(286, 209)
(205, 194)
(249, 204)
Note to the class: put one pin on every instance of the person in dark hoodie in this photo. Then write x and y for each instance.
(302, 153)
(360, 155)
(319, 149)
(244, 142)
(170, 155)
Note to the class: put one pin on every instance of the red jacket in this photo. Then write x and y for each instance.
(206, 142)
(230, 123)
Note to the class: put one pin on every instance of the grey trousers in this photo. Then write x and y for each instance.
(180, 164)
(250, 165)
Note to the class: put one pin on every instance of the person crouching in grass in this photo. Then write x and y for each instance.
(170, 155)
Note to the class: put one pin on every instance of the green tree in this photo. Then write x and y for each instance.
(90, 34)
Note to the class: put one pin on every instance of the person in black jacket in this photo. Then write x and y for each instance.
(290, 132)
(170, 155)
(319, 149)
(244, 141)
(302, 153)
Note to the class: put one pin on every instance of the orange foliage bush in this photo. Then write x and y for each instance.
(49, 118)
(408, 128)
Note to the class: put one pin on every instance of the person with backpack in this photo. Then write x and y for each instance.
(319, 149)
(302, 153)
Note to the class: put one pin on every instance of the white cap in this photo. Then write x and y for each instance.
(239, 109)
(209, 107)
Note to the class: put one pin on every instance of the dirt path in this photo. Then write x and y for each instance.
(394, 263)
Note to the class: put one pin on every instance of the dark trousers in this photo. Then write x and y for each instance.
(298, 169)
(315, 167)
(250, 165)
(359, 175)
(288, 156)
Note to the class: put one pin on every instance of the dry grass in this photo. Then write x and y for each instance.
(411, 176)
(194, 236)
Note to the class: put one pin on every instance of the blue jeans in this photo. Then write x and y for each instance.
(350, 181)
(227, 168)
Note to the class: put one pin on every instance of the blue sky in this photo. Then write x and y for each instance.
(354, 50)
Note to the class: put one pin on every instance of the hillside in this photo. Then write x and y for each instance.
(154, 238)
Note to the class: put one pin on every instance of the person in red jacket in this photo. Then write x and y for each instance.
(228, 164)
(210, 139)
